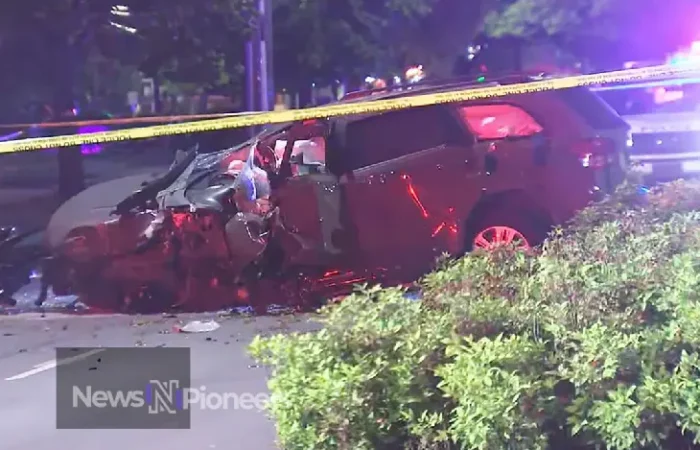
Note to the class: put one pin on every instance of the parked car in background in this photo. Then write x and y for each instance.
(665, 126)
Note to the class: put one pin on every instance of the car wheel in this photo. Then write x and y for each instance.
(507, 226)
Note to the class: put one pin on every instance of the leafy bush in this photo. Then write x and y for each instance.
(589, 342)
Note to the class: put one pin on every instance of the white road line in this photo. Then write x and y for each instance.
(48, 365)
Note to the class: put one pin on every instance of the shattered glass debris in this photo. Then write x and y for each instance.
(197, 326)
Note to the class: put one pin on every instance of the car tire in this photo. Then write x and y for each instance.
(520, 223)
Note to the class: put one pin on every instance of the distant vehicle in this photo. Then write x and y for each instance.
(665, 126)
(306, 210)
(663, 115)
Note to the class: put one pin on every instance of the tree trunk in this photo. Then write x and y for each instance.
(157, 107)
(71, 174)
(203, 102)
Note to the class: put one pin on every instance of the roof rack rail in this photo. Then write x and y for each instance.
(465, 81)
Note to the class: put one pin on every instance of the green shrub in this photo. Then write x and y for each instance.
(368, 370)
(589, 342)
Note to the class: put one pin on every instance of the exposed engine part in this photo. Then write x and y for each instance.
(246, 238)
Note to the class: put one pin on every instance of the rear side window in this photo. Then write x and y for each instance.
(395, 134)
(591, 108)
(489, 122)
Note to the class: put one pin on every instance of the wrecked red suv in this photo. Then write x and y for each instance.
(306, 210)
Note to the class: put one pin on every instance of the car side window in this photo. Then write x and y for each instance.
(308, 155)
(490, 122)
(392, 135)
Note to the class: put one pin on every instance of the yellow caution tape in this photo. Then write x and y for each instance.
(345, 109)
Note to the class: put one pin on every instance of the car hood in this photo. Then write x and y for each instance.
(92, 206)
(174, 195)
(95, 204)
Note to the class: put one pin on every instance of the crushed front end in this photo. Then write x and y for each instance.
(155, 248)
(149, 261)
(216, 230)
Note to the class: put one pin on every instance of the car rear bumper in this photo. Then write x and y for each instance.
(668, 166)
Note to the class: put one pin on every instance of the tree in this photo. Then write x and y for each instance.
(324, 40)
(199, 42)
(47, 44)
(189, 42)
(592, 28)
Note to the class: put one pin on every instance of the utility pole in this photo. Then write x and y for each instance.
(266, 61)
(260, 91)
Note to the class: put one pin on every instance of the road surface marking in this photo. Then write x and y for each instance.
(48, 365)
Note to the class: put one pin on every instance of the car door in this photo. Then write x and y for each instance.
(530, 147)
(309, 207)
(409, 172)
(512, 143)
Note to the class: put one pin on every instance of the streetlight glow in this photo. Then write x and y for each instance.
(120, 10)
(124, 27)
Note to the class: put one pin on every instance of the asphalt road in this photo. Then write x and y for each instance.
(219, 362)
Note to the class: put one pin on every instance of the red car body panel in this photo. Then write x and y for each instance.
(363, 217)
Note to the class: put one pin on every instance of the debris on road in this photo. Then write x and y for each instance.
(272, 310)
(24, 301)
(197, 326)
(276, 310)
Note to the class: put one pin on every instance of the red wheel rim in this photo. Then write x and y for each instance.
(500, 235)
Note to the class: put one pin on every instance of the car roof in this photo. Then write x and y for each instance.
(422, 88)
(436, 87)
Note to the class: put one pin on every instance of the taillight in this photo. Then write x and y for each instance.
(594, 153)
